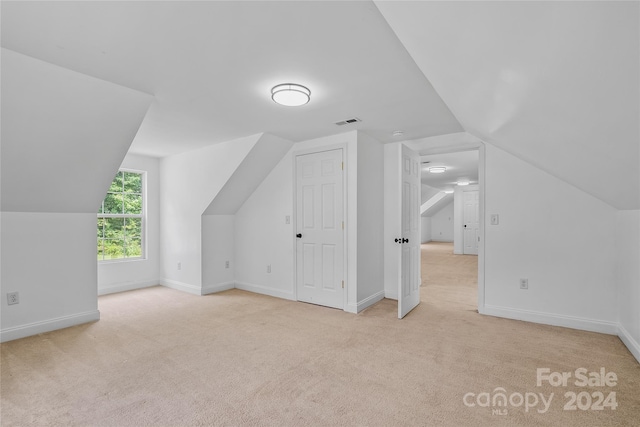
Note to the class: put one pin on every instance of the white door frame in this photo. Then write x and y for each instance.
(294, 156)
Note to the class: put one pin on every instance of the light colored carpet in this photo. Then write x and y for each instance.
(166, 358)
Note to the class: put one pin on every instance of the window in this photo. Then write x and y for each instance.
(121, 218)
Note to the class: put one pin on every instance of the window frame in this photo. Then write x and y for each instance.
(142, 216)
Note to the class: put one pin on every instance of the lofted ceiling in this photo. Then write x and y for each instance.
(211, 65)
(553, 83)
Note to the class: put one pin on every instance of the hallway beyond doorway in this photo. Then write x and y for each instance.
(447, 278)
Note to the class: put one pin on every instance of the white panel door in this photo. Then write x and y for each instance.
(409, 289)
(320, 228)
(471, 236)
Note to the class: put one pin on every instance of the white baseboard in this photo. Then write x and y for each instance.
(572, 322)
(630, 342)
(49, 325)
(218, 287)
(367, 302)
(391, 294)
(264, 290)
(123, 287)
(179, 286)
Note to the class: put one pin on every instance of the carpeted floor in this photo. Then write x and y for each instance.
(166, 358)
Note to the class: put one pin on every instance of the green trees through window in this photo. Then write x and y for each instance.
(121, 218)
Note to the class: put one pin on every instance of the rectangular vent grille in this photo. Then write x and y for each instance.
(348, 121)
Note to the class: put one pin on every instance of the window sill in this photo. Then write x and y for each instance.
(120, 260)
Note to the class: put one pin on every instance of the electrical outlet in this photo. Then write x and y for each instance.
(269, 268)
(524, 283)
(13, 298)
(179, 265)
(226, 264)
(495, 219)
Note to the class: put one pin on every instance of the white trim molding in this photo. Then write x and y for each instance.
(123, 287)
(365, 303)
(627, 339)
(180, 286)
(581, 323)
(259, 289)
(36, 328)
(217, 287)
(391, 294)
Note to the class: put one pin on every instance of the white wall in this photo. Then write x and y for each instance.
(392, 218)
(553, 234)
(189, 182)
(117, 276)
(425, 229)
(628, 277)
(370, 221)
(263, 238)
(64, 135)
(217, 248)
(50, 259)
(442, 224)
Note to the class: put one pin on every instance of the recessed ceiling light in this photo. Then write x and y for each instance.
(290, 94)
(398, 133)
(437, 169)
(463, 182)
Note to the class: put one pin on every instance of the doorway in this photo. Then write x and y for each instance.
(452, 249)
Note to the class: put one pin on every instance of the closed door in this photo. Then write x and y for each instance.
(409, 289)
(320, 228)
(471, 234)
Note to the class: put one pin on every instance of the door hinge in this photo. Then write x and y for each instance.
(343, 225)
(342, 165)
(343, 284)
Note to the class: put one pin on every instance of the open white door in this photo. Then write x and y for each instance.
(409, 286)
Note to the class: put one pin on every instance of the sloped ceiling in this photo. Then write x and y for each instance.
(211, 65)
(553, 83)
(254, 168)
(64, 135)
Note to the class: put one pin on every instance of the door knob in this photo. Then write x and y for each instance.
(299, 235)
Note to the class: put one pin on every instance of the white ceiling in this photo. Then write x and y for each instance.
(554, 83)
(460, 166)
(211, 65)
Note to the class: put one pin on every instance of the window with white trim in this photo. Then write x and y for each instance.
(121, 219)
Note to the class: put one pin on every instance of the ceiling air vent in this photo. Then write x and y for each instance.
(348, 121)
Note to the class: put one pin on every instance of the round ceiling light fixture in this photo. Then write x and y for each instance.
(448, 191)
(463, 183)
(437, 169)
(397, 133)
(290, 94)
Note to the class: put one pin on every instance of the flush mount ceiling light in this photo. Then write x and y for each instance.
(290, 94)
(448, 191)
(397, 133)
(463, 182)
(437, 169)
